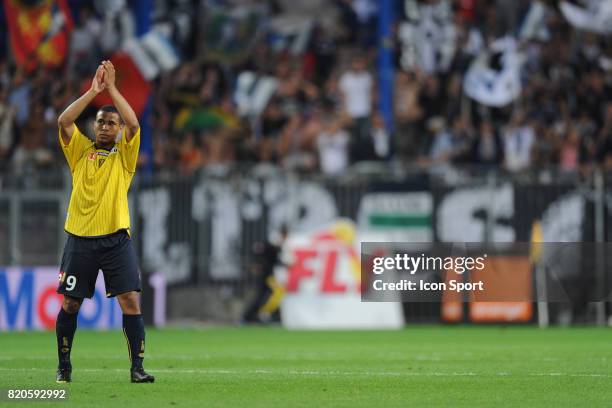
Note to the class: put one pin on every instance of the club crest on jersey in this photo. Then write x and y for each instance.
(91, 156)
(62, 277)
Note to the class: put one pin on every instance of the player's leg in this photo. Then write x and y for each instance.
(251, 315)
(122, 279)
(65, 327)
(77, 281)
(133, 329)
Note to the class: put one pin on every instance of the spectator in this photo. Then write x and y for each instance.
(5, 77)
(380, 139)
(408, 114)
(431, 97)
(518, 139)
(487, 148)
(365, 12)
(272, 125)
(7, 129)
(605, 139)
(31, 153)
(19, 96)
(212, 89)
(219, 147)
(357, 88)
(84, 43)
(441, 147)
(191, 157)
(298, 140)
(546, 146)
(333, 145)
(569, 151)
(462, 135)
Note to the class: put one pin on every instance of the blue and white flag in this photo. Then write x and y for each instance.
(494, 78)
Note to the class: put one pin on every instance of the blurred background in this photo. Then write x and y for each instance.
(273, 128)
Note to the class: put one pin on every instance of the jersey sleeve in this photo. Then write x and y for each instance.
(73, 151)
(129, 151)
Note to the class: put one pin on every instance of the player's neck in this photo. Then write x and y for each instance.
(108, 146)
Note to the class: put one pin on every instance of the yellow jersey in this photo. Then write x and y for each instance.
(100, 183)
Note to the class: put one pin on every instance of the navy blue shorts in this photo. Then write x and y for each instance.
(84, 257)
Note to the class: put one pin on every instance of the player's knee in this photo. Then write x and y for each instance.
(130, 303)
(71, 305)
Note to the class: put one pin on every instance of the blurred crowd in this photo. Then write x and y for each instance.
(312, 104)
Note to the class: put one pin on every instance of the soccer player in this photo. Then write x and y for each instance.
(98, 219)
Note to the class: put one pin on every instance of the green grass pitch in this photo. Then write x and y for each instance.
(421, 366)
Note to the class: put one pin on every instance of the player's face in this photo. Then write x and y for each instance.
(106, 128)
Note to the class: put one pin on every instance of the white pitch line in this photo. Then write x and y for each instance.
(152, 356)
(327, 373)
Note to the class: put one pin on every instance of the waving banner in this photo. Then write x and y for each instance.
(494, 79)
(594, 16)
(39, 31)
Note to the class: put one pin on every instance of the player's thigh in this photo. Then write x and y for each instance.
(79, 269)
(119, 265)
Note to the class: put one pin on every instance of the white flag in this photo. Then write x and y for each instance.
(596, 16)
(152, 53)
(253, 93)
(498, 84)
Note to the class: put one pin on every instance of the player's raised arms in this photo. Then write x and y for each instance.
(72, 112)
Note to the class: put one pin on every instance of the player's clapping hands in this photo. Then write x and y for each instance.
(98, 83)
(109, 74)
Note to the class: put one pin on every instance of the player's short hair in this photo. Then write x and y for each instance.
(110, 109)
